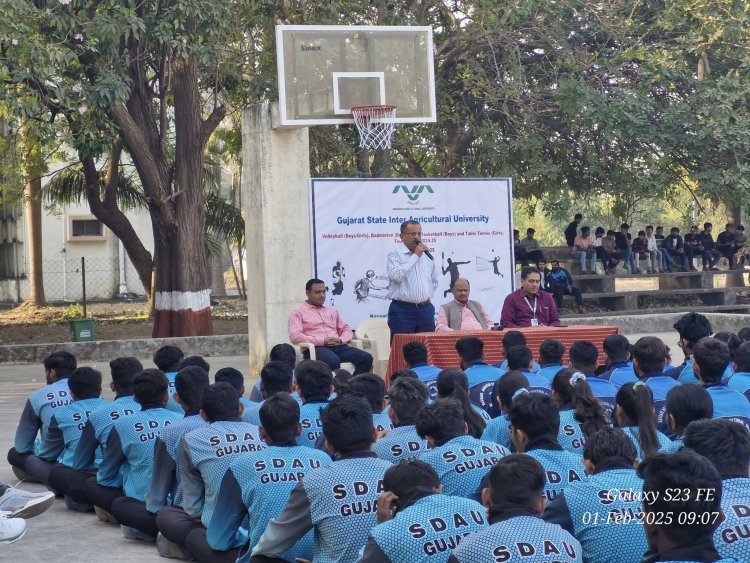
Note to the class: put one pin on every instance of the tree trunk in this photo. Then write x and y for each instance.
(218, 287)
(32, 169)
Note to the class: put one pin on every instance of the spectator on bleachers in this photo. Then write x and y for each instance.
(619, 367)
(520, 359)
(740, 247)
(604, 248)
(519, 253)
(535, 425)
(740, 381)
(686, 403)
(551, 353)
(416, 521)
(725, 244)
(711, 256)
(583, 356)
(609, 244)
(415, 356)
(480, 375)
(674, 246)
(572, 230)
(653, 250)
(711, 357)
(559, 283)
(641, 252)
(581, 414)
(649, 358)
(515, 502)
(691, 328)
(531, 246)
(461, 461)
(609, 458)
(583, 249)
(635, 415)
(726, 444)
(407, 396)
(680, 539)
(666, 258)
(693, 246)
(624, 244)
(453, 384)
(510, 386)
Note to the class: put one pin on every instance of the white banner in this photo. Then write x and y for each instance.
(467, 224)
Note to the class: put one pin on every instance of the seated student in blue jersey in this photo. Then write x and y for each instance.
(415, 521)
(453, 384)
(551, 352)
(619, 365)
(66, 425)
(480, 375)
(168, 359)
(740, 381)
(337, 501)
(275, 377)
(314, 385)
(372, 388)
(535, 424)
(128, 460)
(710, 357)
(726, 444)
(690, 328)
(583, 356)
(602, 512)
(258, 485)
(165, 487)
(460, 460)
(415, 356)
(688, 535)
(520, 359)
(39, 407)
(634, 413)
(650, 355)
(512, 338)
(515, 502)
(69, 479)
(685, 404)
(235, 378)
(581, 414)
(279, 353)
(507, 388)
(205, 454)
(407, 396)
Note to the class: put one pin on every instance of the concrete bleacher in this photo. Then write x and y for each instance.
(633, 293)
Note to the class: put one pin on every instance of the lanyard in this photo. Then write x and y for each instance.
(533, 310)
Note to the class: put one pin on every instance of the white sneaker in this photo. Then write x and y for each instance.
(23, 504)
(11, 529)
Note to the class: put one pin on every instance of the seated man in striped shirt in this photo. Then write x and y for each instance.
(322, 326)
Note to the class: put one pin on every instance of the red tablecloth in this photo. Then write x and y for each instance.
(441, 346)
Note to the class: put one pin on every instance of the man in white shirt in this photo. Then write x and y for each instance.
(413, 278)
(462, 313)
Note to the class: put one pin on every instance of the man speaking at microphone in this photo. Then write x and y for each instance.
(413, 278)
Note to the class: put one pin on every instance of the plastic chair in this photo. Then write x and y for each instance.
(376, 338)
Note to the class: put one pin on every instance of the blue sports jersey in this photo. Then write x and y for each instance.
(381, 421)
(65, 429)
(339, 501)
(462, 462)
(37, 414)
(96, 431)
(603, 513)
(665, 444)
(498, 431)
(619, 376)
(504, 366)
(740, 381)
(730, 404)
(660, 385)
(482, 379)
(519, 538)
(173, 405)
(481, 412)
(205, 454)
(400, 443)
(562, 469)
(571, 437)
(605, 392)
(129, 458)
(251, 414)
(549, 372)
(426, 372)
(166, 482)
(246, 403)
(427, 530)
(257, 486)
(687, 374)
(312, 427)
(537, 383)
(732, 537)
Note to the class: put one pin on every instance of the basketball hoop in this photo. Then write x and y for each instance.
(375, 125)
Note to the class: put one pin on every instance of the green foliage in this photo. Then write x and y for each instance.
(71, 312)
(68, 186)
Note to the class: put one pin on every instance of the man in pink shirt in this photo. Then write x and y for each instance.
(462, 313)
(322, 326)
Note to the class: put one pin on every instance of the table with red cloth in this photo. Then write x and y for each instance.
(441, 346)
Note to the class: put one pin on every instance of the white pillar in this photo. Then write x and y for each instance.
(276, 170)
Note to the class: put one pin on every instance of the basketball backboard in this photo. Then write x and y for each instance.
(326, 70)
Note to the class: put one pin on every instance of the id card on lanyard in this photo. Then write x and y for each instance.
(534, 320)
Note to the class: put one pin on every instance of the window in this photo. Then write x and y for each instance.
(85, 228)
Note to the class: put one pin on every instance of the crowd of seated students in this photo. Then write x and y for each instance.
(517, 461)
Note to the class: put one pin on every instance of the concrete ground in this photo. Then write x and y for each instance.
(65, 536)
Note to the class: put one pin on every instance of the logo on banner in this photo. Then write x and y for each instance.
(414, 192)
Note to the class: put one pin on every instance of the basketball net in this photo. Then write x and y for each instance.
(375, 125)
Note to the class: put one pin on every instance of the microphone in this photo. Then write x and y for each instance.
(427, 253)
